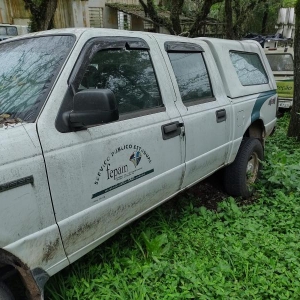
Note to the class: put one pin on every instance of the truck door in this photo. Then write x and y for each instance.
(202, 103)
(103, 177)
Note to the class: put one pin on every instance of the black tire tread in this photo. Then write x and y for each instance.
(5, 293)
(235, 173)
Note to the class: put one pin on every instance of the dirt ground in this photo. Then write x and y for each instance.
(211, 191)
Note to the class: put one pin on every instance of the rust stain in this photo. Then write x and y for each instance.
(49, 250)
(80, 231)
(18, 9)
(63, 14)
(24, 271)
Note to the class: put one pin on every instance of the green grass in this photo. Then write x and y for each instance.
(184, 251)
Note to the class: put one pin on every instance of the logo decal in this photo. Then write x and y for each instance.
(272, 101)
(136, 157)
(114, 173)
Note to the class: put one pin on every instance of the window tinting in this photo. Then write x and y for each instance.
(281, 62)
(249, 68)
(191, 75)
(129, 74)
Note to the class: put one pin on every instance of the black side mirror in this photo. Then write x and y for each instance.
(93, 107)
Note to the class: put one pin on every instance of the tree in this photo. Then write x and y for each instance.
(294, 126)
(228, 18)
(176, 8)
(42, 13)
(241, 11)
(201, 16)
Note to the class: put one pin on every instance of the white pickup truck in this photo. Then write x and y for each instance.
(98, 127)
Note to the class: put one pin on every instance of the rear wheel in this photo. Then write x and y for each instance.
(5, 293)
(244, 171)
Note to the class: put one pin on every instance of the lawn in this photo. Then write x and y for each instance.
(182, 250)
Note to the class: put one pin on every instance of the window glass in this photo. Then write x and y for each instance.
(3, 30)
(191, 75)
(28, 67)
(281, 62)
(129, 74)
(12, 31)
(249, 68)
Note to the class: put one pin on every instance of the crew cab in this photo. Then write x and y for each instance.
(100, 126)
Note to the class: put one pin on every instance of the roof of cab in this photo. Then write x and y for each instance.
(220, 49)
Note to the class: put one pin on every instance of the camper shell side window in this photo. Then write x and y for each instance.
(249, 68)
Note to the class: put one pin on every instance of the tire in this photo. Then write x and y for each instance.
(5, 293)
(240, 176)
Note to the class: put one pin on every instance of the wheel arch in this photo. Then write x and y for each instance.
(12, 269)
(256, 130)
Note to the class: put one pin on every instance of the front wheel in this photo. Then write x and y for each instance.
(243, 172)
(5, 293)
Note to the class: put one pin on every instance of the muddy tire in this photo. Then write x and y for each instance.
(240, 176)
(5, 293)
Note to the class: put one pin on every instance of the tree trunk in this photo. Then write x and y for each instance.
(265, 19)
(241, 12)
(196, 28)
(150, 10)
(294, 126)
(42, 14)
(228, 18)
(176, 11)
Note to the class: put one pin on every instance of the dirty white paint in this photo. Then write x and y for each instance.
(97, 183)
(26, 211)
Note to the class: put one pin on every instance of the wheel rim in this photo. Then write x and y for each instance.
(252, 168)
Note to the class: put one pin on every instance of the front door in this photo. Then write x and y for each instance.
(105, 176)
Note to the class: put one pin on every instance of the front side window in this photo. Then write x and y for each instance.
(191, 75)
(249, 68)
(28, 68)
(281, 62)
(129, 74)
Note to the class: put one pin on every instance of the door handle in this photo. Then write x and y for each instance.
(171, 130)
(221, 115)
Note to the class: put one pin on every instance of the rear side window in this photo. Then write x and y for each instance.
(249, 68)
(191, 75)
(129, 74)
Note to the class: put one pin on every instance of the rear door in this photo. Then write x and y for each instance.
(105, 176)
(202, 103)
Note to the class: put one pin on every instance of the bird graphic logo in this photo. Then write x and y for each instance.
(136, 157)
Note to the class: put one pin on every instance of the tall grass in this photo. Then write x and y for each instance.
(184, 251)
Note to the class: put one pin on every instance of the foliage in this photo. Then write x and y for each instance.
(247, 16)
(184, 251)
(294, 126)
(42, 14)
(200, 11)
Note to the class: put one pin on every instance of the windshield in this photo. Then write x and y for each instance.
(281, 62)
(28, 69)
